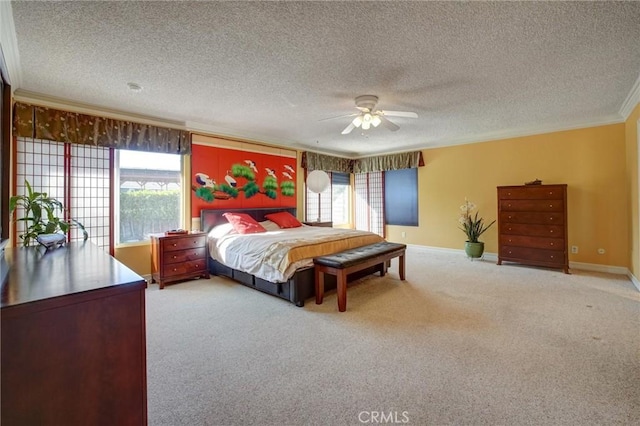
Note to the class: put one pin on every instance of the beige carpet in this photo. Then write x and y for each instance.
(459, 342)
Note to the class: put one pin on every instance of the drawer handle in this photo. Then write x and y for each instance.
(508, 193)
(509, 205)
(509, 240)
(551, 256)
(174, 244)
(509, 217)
(550, 205)
(509, 251)
(551, 243)
(551, 231)
(509, 229)
(550, 192)
(175, 257)
(175, 269)
(550, 218)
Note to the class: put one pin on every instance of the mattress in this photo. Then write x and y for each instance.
(275, 255)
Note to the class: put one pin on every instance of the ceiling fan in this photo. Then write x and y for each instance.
(369, 116)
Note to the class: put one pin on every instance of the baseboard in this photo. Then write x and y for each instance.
(634, 280)
(620, 270)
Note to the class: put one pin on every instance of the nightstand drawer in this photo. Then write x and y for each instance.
(198, 253)
(189, 267)
(184, 243)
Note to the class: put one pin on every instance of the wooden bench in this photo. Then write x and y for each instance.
(354, 260)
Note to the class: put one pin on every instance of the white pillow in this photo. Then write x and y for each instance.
(269, 226)
(221, 230)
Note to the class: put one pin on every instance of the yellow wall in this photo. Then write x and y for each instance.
(631, 141)
(590, 161)
(137, 257)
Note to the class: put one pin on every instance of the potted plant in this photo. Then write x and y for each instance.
(40, 216)
(473, 227)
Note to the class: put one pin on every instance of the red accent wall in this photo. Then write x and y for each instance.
(216, 168)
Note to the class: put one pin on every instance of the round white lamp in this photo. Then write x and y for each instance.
(317, 182)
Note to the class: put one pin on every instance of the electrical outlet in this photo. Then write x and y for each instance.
(574, 249)
(601, 251)
(404, 234)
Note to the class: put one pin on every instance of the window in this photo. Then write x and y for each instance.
(401, 197)
(340, 195)
(369, 202)
(77, 176)
(332, 205)
(149, 196)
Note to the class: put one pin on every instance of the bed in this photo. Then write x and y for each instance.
(294, 283)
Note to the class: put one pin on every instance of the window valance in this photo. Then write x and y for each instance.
(380, 163)
(328, 163)
(62, 126)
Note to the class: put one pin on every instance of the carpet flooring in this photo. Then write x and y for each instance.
(459, 342)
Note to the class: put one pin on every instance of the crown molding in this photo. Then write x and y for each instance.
(632, 100)
(9, 45)
(82, 108)
(524, 132)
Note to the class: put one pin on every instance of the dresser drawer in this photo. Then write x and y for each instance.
(533, 242)
(532, 254)
(532, 217)
(532, 205)
(189, 267)
(191, 241)
(531, 192)
(178, 256)
(555, 231)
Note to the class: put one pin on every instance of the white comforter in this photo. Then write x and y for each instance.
(250, 252)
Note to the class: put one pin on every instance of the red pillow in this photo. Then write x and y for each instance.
(284, 219)
(243, 223)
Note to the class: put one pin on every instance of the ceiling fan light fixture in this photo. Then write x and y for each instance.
(357, 121)
(375, 121)
(366, 125)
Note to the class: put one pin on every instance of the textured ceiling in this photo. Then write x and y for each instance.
(271, 71)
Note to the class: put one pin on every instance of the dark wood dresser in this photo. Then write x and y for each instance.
(73, 339)
(532, 225)
(178, 257)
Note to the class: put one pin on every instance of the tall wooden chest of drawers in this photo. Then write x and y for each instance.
(178, 257)
(532, 225)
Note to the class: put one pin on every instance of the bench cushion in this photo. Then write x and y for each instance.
(351, 257)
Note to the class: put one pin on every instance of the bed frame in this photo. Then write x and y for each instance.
(300, 287)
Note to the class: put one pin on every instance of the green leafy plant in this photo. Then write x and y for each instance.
(472, 226)
(40, 215)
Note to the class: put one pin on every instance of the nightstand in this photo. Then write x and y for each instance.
(178, 257)
(323, 224)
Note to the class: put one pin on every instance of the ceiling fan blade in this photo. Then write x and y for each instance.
(340, 116)
(388, 124)
(400, 114)
(348, 129)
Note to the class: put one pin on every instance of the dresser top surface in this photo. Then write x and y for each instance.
(533, 186)
(77, 267)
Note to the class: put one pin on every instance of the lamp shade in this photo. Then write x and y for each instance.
(318, 181)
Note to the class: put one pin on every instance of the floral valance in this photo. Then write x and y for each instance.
(62, 126)
(380, 163)
(328, 163)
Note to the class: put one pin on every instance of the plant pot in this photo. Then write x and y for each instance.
(474, 250)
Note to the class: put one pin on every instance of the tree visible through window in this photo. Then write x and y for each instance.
(149, 194)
